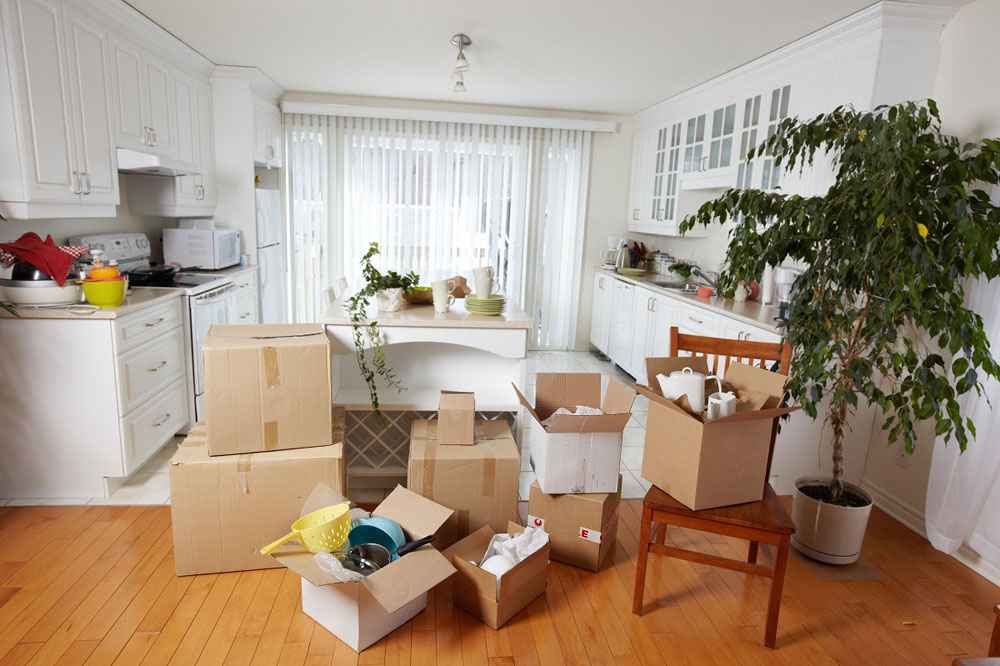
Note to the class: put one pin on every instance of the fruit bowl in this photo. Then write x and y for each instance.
(105, 293)
(419, 296)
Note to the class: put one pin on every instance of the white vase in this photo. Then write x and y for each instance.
(828, 532)
(389, 300)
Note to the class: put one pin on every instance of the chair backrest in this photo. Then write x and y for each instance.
(761, 354)
(736, 351)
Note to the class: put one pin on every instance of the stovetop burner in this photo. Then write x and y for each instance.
(154, 276)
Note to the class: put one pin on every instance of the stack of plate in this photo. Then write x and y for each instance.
(492, 305)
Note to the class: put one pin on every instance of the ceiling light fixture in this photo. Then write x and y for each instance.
(460, 41)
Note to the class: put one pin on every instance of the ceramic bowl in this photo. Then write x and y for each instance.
(377, 529)
(497, 565)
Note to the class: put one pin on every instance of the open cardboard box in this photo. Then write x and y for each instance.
(570, 453)
(706, 464)
(362, 613)
(267, 387)
(479, 482)
(492, 600)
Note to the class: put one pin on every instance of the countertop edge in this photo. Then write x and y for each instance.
(99, 315)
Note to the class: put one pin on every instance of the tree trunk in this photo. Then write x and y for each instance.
(838, 419)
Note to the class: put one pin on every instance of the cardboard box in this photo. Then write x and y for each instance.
(576, 454)
(223, 509)
(582, 528)
(702, 464)
(492, 600)
(456, 419)
(360, 614)
(267, 387)
(480, 483)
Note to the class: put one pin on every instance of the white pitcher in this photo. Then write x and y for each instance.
(686, 382)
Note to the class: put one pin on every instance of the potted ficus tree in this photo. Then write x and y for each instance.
(387, 289)
(879, 313)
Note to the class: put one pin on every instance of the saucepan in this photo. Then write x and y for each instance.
(367, 558)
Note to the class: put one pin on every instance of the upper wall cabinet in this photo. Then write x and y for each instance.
(267, 134)
(54, 123)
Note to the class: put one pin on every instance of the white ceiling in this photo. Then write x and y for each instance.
(587, 55)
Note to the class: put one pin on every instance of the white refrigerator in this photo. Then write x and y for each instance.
(271, 269)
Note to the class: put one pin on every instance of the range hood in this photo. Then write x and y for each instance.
(133, 161)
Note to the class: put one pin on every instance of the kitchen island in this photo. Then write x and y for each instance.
(457, 351)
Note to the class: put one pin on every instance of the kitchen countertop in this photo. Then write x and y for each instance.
(137, 299)
(423, 316)
(749, 312)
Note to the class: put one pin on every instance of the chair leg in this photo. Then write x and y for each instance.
(640, 566)
(659, 533)
(752, 553)
(995, 638)
(777, 583)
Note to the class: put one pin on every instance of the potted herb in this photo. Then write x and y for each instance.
(388, 289)
(878, 315)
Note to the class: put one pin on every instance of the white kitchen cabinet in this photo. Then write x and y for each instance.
(600, 313)
(145, 101)
(642, 310)
(54, 119)
(245, 306)
(186, 127)
(652, 329)
(622, 331)
(267, 134)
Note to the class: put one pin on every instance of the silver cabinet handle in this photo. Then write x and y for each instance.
(697, 321)
(156, 136)
(86, 182)
(163, 419)
(155, 322)
(158, 367)
(652, 304)
(74, 184)
(147, 135)
(245, 315)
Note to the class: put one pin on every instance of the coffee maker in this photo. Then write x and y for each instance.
(610, 256)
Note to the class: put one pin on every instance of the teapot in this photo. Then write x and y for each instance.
(686, 382)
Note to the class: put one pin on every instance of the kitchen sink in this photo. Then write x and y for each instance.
(676, 285)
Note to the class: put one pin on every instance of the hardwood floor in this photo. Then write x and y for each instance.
(95, 585)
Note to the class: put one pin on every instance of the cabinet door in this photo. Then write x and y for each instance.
(275, 139)
(186, 135)
(129, 99)
(622, 332)
(89, 78)
(642, 309)
(660, 322)
(45, 102)
(160, 105)
(206, 146)
(600, 323)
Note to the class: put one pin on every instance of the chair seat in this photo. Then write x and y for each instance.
(768, 514)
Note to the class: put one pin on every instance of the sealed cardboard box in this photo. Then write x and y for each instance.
(707, 464)
(582, 527)
(267, 387)
(483, 595)
(480, 483)
(362, 613)
(223, 508)
(573, 453)
(456, 419)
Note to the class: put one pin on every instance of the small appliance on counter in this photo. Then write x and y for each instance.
(784, 287)
(196, 243)
(610, 255)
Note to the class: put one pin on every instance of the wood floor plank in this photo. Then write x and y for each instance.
(228, 623)
(169, 638)
(196, 636)
(273, 637)
(254, 622)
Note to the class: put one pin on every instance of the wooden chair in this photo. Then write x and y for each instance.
(993, 658)
(765, 521)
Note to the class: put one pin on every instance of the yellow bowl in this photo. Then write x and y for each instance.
(104, 293)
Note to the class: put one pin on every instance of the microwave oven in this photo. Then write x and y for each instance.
(207, 249)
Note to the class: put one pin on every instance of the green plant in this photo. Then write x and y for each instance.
(371, 357)
(879, 311)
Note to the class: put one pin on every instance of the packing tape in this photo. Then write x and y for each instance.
(489, 477)
(244, 465)
(272, 375)
(427, 487)
(270, 435)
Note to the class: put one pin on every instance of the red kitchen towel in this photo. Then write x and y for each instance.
(44, 255)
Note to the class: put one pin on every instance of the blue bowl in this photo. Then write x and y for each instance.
(383, 531)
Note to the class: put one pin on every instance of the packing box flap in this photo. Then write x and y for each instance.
(457, 418)
(465, 555)
(526, 570)
(571, 389)
(462, 401)
(263, 332)
(566, 389)
(417, 515)
(748, 379)
(486, 431)
(408, 577)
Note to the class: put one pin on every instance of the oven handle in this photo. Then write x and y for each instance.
(214, 296)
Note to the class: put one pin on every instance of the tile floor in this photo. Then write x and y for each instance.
(151, 484)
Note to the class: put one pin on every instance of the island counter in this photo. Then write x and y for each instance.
(431, 352)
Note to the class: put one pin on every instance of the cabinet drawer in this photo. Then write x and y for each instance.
(246, 307)
(135, 329)
(148, 428)
(144, 371)
(696, 321)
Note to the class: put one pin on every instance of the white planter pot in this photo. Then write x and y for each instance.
(389, 300)
(827, 532)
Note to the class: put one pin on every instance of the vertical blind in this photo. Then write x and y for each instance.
(441, 199)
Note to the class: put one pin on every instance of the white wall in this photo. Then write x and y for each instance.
(969, 99)
(122, 222)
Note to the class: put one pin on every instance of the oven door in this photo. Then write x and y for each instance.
(207, 309)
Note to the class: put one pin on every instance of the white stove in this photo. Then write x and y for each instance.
(208, 299)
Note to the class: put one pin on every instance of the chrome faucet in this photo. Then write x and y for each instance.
(700, 273)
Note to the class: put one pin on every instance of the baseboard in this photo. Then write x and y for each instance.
(980, 555)
(895, 507)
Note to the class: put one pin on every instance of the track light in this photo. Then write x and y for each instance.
(460, 41)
